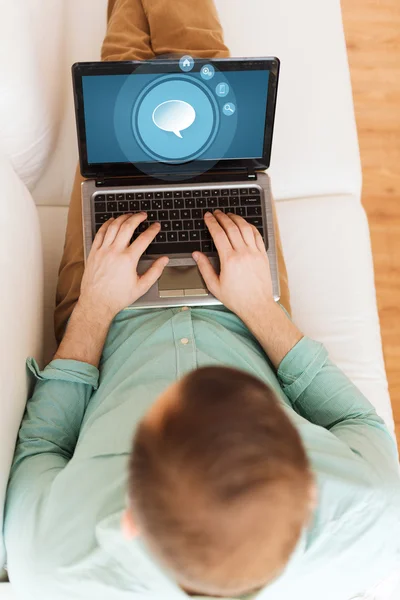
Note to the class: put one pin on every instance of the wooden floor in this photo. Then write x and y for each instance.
(372, 29)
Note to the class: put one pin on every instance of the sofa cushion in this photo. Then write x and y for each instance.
(31, 45)
(21, 320)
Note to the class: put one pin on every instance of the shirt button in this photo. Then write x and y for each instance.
(184, 341)
(185, 308)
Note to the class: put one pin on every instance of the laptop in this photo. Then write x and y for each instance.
(176, 138)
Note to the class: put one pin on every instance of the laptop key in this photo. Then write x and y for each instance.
(201, 203)
(190, 203)
(187, 193)
(167, 204)
(176, 225)
(165, 225)
(197, 213)
(123, 206)
(134, 205)
(206, 246)
(99, 198)
(253, 211)
(240, 210)
(100, 207)
(145, 205)
(112, 207)
(149, 195)
(254, 191)
(130, 196)
(152, 215)
(161, 237)
(215, 192)
(199, 224)
(163, 215)
(234, 200)
(233, 192)
(167, 194)
(172, 236)
(256, 221)
(188, 225)
(248, 200)
(196, 193)
(174, 215)
(139, 196)
(158, 195)
(177, 194)
(120, 196)
(225, 192)
(223, 201)
(102, 217)
(213, 202)
(156, 205)
(183, 236)
(206, 193)
(194, 236)
(173, 247)
(185, 214)
(178, 203)
(244, 191)
(110, 197)
(205, 235)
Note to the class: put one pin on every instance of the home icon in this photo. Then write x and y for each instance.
(186, 63)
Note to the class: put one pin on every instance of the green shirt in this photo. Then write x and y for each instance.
(68, 483)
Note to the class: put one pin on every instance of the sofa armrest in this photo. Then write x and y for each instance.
(32, 44)
(21, 300)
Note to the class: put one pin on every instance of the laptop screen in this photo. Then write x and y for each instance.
(174, 116)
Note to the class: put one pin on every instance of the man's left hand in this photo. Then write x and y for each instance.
(110, 282)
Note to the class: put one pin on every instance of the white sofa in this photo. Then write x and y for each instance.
(315, 171)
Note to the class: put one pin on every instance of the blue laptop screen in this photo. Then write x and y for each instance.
(147, 117)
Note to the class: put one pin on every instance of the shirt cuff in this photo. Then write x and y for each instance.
(74, 371)
(300, 366)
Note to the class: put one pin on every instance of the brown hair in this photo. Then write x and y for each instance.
(220, 488)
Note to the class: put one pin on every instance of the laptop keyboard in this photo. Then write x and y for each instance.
(181, 214)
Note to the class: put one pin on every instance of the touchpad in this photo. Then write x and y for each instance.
(180, 282)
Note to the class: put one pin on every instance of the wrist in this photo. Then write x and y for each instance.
(91, 313)
(254, 313)
(85, 335)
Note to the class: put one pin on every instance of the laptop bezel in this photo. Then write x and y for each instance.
(89, 170)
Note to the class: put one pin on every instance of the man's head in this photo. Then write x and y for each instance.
(219, 483)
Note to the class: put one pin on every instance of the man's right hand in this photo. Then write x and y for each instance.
(244, 284)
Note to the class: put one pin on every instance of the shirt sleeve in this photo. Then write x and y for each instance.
(324, 395)
(49, 430)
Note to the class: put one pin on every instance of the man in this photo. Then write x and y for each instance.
(256, 465)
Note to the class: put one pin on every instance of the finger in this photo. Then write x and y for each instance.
(99, 237)
(150, 277)
(231, 229)
(144, 240)
(113, 229)
(245, 229)
(219, 236)
(127, 229)
(258, 239)
(207, 271)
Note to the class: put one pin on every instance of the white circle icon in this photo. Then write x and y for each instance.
(207, 72)
(174, 116)
(229, 109)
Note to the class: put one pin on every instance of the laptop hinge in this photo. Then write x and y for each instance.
(215, 176)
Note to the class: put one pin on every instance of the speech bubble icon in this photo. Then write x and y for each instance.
(174, 115)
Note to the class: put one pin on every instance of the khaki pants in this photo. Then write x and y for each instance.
(139, 30)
